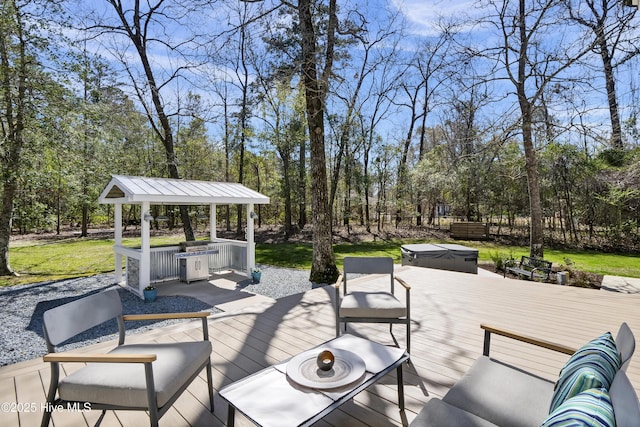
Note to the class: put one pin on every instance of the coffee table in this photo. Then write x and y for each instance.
(270, 398)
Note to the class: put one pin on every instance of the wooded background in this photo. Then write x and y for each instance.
(514, 110)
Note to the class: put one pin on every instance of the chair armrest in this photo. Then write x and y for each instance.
(164, 316)
(338, 282)
(488, 330)
(403, 283)
(99, 358)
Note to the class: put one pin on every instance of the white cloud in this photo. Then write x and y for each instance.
(425, 14)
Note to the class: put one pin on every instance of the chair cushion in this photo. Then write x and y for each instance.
(123, 384)
(593, 366)
(502, 394)
(439, 413)
(589, 408)
(372, 304)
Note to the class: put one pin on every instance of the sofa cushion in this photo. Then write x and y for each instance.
(593, 366)
(372, 304)
(502, 394)
(439, 413)
(626, 406)
(124, 384)
(592, 408)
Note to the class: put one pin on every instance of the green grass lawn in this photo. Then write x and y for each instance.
(38, 261)
(299, 255)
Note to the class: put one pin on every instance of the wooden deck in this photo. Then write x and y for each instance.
(447, 309)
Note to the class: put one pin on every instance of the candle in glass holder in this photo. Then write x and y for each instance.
(325, 360)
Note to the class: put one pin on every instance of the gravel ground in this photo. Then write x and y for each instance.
(23, 306)
(277, 282)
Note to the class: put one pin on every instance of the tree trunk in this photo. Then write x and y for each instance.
(286, 189)
(13, 109)
(302, 185)
(323, 268)
(536, 236)
(347, 190)
(367, 185)
(611, 28)
(243, 119)
(616, 128)
(8, 193)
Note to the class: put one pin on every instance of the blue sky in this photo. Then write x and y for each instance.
(422, 17)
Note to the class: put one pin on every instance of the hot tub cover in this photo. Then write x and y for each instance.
(441, 256)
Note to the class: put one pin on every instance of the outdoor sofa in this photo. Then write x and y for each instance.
(493, 393)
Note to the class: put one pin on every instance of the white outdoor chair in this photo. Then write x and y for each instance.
(148, 377)
(372, 306)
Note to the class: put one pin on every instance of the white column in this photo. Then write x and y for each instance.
(212, 222)
(251, 246)
(145, 250)
(117, 237)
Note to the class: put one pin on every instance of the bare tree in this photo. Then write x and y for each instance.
(380, 103)
(241, 70)
(137, 23)
(373, 58)
(220, 86)
(431, 64)
(376, 105)
(613, 26)
(323, 268)
(315, 79)
(534, 52)
(285, 131)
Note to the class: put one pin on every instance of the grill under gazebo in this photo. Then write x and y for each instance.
(193, 260)
(146, 265)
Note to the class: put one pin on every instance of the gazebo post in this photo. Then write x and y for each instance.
(117, 231)
(212, 222)
(144, 276)
(251, 246)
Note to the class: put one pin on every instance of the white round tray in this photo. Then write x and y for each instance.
(347, 368)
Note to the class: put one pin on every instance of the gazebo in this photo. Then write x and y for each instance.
(147, 264)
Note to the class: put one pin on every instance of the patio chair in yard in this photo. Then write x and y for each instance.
(148, 376)
(372, 306)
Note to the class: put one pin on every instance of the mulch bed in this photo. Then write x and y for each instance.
(577, 278)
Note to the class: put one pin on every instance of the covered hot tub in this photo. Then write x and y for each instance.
(441, 256)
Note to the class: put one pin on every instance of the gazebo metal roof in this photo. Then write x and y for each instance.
(136, 189)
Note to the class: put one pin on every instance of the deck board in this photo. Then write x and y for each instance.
(447, 309)
(8, 417)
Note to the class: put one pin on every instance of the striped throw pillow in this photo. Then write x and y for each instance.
(590, 408)
(592, 366)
